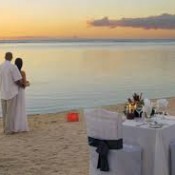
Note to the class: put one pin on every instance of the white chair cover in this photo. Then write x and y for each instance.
(172, 158)
(107, 125)
(103, 124)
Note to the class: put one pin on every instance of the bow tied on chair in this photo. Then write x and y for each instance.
(103, 150)
(103, 147)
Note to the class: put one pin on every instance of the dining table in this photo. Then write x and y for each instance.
(154, 136)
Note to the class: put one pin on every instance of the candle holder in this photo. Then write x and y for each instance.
(130, 116)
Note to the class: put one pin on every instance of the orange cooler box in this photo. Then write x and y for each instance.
(72, 117)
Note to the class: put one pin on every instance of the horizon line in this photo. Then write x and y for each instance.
(76, 39)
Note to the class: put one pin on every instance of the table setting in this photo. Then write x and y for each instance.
(144, 112)
(149, 125)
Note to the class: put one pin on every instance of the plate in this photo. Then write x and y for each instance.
(148, 120)
(158, 125)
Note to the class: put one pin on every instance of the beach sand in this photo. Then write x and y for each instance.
(52, 147)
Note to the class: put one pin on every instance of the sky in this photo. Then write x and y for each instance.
(119, 19)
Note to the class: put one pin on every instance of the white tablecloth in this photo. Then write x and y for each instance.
(154, 142)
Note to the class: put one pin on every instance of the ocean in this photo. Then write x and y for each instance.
(68, 75)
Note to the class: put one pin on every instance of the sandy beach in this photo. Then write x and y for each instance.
(52, 147)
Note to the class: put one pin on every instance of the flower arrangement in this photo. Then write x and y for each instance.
(134, 103)
(136, 99)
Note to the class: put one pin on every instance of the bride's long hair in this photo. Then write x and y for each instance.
(19, 63)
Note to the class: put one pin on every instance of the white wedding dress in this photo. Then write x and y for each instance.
(20, 118)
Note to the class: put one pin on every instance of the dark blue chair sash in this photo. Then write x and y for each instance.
(103, 147)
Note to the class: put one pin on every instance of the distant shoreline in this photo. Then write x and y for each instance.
(79, 40)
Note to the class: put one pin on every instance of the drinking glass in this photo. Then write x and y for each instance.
(148, 112)
(139, 110)
(162, 106)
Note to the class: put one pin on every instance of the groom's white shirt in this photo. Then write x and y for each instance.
(9, 73)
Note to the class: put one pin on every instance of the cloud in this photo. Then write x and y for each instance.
(164, 21)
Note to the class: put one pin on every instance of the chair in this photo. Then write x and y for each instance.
(105, 125)
(172, 158)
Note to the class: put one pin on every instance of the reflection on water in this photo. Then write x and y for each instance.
(71, 76)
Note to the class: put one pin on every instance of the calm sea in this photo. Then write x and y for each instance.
(69, 75)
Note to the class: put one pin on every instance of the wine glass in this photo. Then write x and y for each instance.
(162, 106)
(139, 110)
(148, 111)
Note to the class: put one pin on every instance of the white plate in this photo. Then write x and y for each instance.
(148, 120)
(159, 125)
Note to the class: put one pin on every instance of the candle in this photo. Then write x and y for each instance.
(135, 106)
(129, 108)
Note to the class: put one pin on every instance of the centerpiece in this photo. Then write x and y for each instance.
(133, 107)
(137, 105)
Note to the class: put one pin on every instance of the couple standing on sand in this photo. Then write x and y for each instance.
(12, 88)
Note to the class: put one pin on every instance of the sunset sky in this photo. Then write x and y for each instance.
(21, 19)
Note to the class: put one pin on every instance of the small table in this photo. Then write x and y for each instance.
(154, 142)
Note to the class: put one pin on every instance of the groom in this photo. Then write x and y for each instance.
(9, 81)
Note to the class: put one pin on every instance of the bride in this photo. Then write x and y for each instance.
(20, 120)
